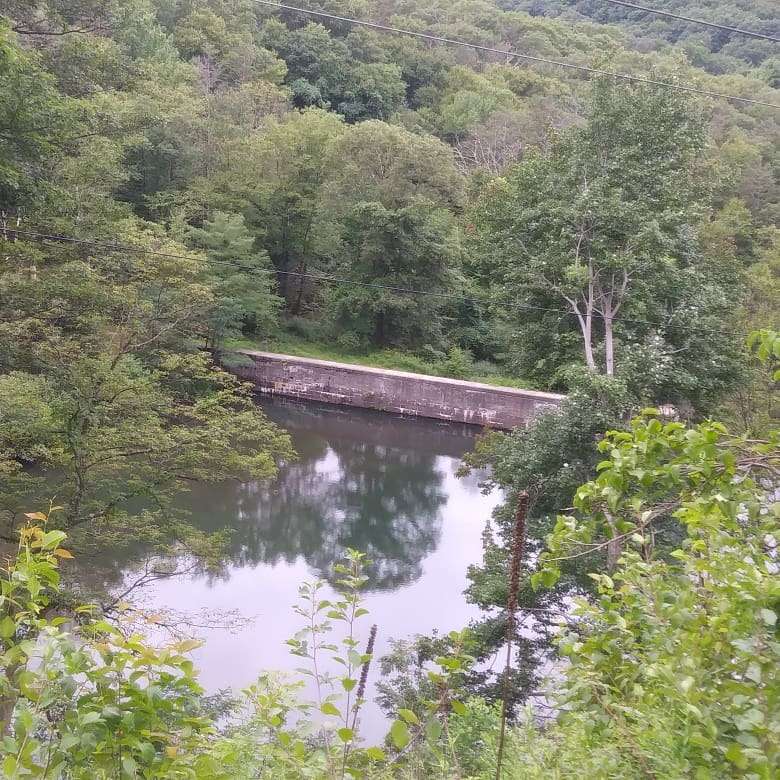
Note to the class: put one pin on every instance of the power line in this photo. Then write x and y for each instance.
(657, 11)
(113, 247)
(508, 53)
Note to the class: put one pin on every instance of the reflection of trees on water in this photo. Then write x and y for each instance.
(384, 502)
(364, 480)
(387, 504)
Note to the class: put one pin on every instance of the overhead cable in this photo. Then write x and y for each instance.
(513, 54)
(659, 12)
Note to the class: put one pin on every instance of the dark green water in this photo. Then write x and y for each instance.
(383, 484)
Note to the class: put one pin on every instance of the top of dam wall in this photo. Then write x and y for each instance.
(389, 390)
(391, 372)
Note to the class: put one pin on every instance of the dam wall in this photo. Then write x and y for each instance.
(401, 392)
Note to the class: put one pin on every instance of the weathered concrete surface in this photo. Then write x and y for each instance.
(391, 391)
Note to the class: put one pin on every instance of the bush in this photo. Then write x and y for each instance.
(351, 343)
(459, 364)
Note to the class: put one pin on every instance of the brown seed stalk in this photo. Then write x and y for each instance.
(361, 688)
(516, 557)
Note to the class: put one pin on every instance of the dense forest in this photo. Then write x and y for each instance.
(713, 48)
(178, 177)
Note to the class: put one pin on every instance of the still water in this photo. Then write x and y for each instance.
(382, 484)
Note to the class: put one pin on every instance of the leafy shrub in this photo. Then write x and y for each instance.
(459, 364)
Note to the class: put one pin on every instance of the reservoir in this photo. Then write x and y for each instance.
(380, 483)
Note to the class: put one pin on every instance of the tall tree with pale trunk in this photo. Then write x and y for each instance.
(603, 222)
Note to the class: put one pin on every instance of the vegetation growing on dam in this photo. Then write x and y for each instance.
(178, 176)
(457, 363)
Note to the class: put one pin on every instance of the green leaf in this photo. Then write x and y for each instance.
(399, 734)
(686, 683)
(433, 729)
(345, 734)
(355, 658)
(328, 708)
(409, 716)
(29, 685)
(376, 754)
(348, 683)
(458, 707)
(736, 756)
(52, 539)
(7, 627)
(546, 578)
(88, 718)
(186, 645)
(753, 672)
(25, 722)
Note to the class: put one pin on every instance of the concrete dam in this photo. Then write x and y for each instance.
(401, 392)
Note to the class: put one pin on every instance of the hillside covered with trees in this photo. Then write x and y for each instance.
(713, 48)
(181, 176)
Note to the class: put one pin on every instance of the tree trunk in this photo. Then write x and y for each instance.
(611, 301)
(609, 346)
(614, 550)
(587, 337)
(615, 543)
(303, 266)
(586, 326)
(588, 332)
(379, 330)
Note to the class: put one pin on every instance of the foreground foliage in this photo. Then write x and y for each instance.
(551, 459)
(671, 666)
(674, 661)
